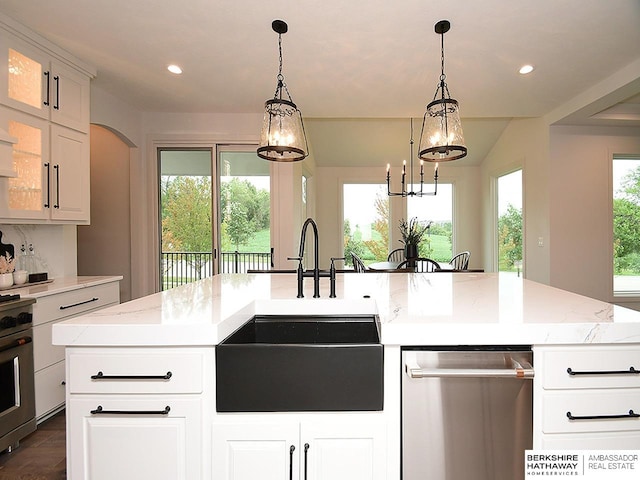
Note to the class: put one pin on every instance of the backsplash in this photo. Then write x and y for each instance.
(54, 248)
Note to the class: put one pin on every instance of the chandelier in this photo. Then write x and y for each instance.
(282, 138)
(411, 193)
(441, 138)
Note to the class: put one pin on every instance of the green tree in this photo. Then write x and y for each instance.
(510, 237)
(186, 214)
(244, 210)
(379, 246)
(351, 244)
(626, 225)
(186, 217)
(238, 225)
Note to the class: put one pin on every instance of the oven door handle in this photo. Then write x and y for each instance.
(517, 370)
(18, 342)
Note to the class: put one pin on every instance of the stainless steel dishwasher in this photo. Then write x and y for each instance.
(466, 412)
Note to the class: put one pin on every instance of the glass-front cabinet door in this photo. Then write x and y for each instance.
(26, 195)
(24, 78)
(36, 84)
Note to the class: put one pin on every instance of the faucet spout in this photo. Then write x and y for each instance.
(303, 237)
(316, 271)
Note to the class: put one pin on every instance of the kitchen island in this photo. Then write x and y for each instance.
(176, 331)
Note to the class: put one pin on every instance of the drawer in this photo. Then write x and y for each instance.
(75, 302)
(139, 372)
(591, 441)
(603, 364)
(599, 403)
(44, 353)
(50, 389)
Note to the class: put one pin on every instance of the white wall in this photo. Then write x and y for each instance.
(104, 247)
(581, 215)
(523, 144)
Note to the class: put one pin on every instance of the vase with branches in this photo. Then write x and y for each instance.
(412, 234)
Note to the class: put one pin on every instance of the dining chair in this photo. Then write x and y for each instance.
(396, 255)
(421, 265)
(358, 264)
(426, 265)
(460, 261)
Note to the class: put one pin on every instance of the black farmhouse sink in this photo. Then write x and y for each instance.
(301, 363)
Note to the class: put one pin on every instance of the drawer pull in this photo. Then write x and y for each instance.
(99, 411)
(631, 414)
(631, 371)
(102, 376)
(64, 307)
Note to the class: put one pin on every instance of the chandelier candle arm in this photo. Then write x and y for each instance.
(411, 193)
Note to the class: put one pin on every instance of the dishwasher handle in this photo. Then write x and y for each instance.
(516, 370)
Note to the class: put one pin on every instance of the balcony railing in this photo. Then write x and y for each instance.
(178, 268)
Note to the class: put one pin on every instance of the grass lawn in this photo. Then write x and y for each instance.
(259, 243)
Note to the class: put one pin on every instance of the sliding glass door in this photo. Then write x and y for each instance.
(244, 210)
(185, 210)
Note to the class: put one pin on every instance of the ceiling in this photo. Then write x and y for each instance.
(360, 59)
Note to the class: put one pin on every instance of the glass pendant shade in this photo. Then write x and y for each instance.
(441, 139)
(282, 138)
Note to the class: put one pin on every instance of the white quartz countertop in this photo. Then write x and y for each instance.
(414, 309)
(59, 285)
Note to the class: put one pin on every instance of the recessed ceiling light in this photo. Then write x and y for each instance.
(174, 69)
(526, 69)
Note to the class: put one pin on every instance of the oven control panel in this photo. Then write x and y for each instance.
(15, 315)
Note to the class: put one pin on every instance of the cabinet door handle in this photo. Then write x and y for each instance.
(102, 376)
(631, 371)
(57, 169)
(306, 449)
(100, 411)
(631, 414)
(57, 105)
(64, 307)
(292, 449)
(46, 102)
(48, 202)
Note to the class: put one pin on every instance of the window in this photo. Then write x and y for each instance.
(626, 225)
(437, 209)
(509, 223)
(366, 222)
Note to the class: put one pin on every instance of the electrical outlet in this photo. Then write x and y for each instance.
(540, 242)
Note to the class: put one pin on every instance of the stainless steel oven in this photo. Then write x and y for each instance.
(17, 396)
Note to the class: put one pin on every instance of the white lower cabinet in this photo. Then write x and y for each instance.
(318, 447)
(49, 364)
(122, 437)
(587, 397)
(139, 413)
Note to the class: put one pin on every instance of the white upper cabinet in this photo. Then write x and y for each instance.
(45, 108)
(32, 82)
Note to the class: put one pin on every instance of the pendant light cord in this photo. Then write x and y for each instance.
(281, 85)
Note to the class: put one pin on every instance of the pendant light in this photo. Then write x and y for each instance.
(282, 138)
(403, 190)
(441, 139)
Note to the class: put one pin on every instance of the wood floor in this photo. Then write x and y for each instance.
(40, 456)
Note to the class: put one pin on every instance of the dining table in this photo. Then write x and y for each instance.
(388, 267)
(393, 267)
